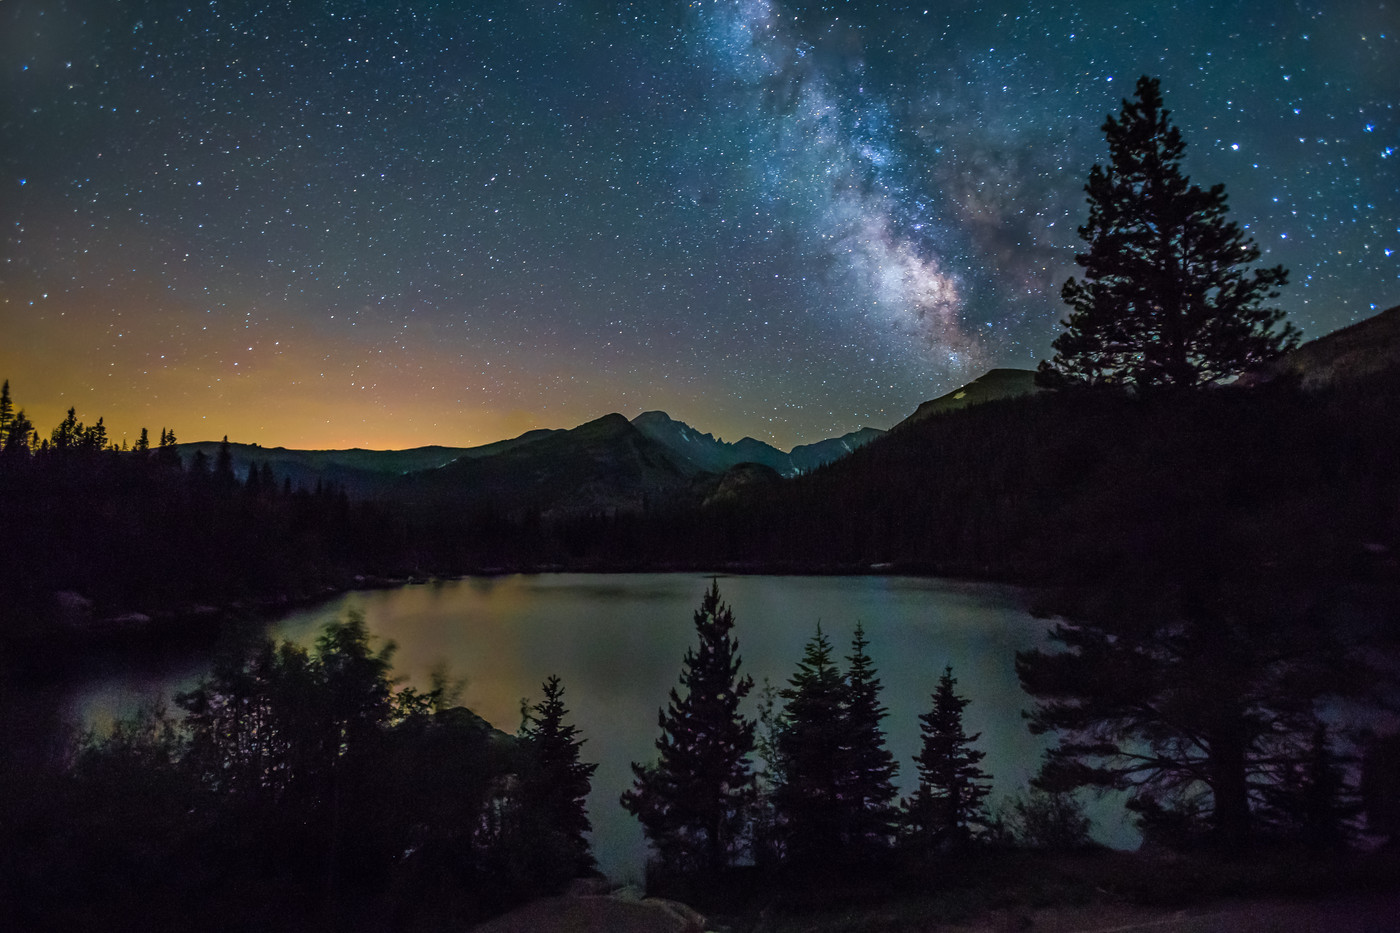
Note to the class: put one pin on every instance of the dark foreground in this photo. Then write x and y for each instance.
(1096, 890)
(1355, 913)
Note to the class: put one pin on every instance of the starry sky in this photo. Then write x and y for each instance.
(327, 223)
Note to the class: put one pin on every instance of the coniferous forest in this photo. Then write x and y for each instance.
(1213, 538)
(1227, 556)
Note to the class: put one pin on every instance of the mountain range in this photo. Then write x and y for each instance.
(612, 464)
(606, 464)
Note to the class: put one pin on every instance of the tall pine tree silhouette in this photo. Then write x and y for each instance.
(555, 784)
(813, 743)
(1166, 300)
(870, 768)
(693, 801)
(952, 786)
(7, 410)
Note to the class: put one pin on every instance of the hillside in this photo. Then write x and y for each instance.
(1363, 349)
(992, 386)
(1270, 482)
(359, 471)
(604, 465)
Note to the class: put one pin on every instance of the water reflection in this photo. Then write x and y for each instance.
(617, 641)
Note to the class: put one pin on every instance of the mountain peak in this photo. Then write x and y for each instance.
(652, 417)
(706, 453)
(990, 386)
(610, 425)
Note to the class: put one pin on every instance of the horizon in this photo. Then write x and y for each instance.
(694, 427)
(324, 229)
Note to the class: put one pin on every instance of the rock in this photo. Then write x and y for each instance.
(594, 886)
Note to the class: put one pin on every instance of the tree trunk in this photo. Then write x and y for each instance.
(1230, 787)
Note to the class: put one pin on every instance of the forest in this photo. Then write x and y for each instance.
(1213, 539)
(1227, 557)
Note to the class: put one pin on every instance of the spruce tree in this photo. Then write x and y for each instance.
(1312, 801)
(1166, 301)
(7, 411)
(870, 766)
(813, 743)
(952, 786)
(693, 801)
(20, 438)
(555, 784)
(69, 432)
(95, 437)
(1191, 710)
(166, 454)
(223, 466)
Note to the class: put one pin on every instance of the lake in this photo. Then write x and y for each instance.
(617, 640)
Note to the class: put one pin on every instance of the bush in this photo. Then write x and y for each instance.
(1045, 820)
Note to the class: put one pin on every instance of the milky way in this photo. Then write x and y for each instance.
(336, 223)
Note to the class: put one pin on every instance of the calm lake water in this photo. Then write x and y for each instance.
(616, 641)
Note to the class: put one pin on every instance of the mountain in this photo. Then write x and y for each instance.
(1364, 348)
(699, 451)
(703, 452)
(361, 472)
(605, 465)
(992, 385)
(807, 457)
(367, 473)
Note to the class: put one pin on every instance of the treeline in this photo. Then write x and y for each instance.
(300, 788)
(804, 794)
(95, 529)
(1269, 485)
(822, 807)
(1068, 487)
(293, 789)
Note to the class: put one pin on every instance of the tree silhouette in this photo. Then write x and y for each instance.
(69, 432)
(870, 768)
(7, 411)
(1202, 712)
(19, 437)
(813, 746)
(952, 786)
(555, 784)
(1166, 301)
(693, 801)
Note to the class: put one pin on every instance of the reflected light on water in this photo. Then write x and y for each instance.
(617, 641)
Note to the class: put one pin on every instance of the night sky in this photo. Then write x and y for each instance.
(333, 224)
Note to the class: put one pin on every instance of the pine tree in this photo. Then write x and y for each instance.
(555, 784)
(165, 453)
(95, 437)
(952, 787)
(1312, 800)
(143, 443)
(69, 432)
(1190, 710)
(20, 438)
(1166, 301)
(7, 411)
(870, 766)
(693, 801)
(813, 743)
(223, 466)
